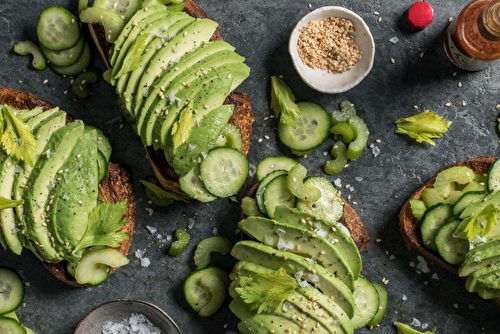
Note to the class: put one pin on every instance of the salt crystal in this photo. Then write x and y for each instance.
(149, 210)
(140, 253)
(234, 199)
(252, 170)
(337, 182)
(392, 257)
(215, 231)
(371, 146)
(435, 276)
(455, 306)
(424, 325)
(152, 229)
(137, 323)
(145, 262)
(394, 40)
(415, 322)
(325, 153)
(404, 297)
(375, 151)
(358, 178)
(191, 223)
(422, 264)
(237, 231)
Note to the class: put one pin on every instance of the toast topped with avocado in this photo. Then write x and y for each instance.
(175, 80)
(451, 220)
(71, 207)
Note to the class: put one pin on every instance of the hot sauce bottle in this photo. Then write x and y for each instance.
(472, 42)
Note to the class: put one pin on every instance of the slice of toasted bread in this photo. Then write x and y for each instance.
(409, 226)
(349, 219)
(116, 187)
(242, 117)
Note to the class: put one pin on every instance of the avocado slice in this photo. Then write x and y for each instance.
(44, 173)
(28, 113)
(203, 136)
(176, 80)
(293, 264)
(14, 170)
(336, 233)
(304, 242)
(187, 64)
(73, 196)
(322, 302)
(486, 254)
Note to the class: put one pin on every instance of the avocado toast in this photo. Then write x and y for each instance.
(115, 187)
(144, 98)
(411, 228)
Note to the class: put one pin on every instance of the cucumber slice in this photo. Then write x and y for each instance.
(494, 177)
(335, 166)
(205, 289)
(11, 326)
(277, 193)
(466, 199)
(125, 8)
(418, 208)
(224, 171)
(192, 185)
(361, 133)
(382, 306)
(57, 29)
(64, 57)
(346, 111)
(330, 206)
(11, 291)
(295, 180)
(312, 129)
(344, 129)
(451, 249)
(435, 217)
(366, 302)
(233, 136)
(203, 252)
(79, 66)
(270, 164)
(93, 268)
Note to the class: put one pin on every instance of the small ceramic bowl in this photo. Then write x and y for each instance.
(334, 83)
(120, 309)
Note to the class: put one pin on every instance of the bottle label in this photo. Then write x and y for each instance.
(463, 61)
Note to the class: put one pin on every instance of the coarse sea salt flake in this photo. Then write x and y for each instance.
(394, 40)
(152, 229)
(145, 262)
(149, 210)
(415, 322)
(139, 253)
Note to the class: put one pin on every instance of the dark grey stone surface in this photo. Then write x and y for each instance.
(259, 30)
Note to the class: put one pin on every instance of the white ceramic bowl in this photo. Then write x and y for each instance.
(334, 83)
(120, 309)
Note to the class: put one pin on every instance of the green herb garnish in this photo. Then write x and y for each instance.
(6, 203)
(104, 222)
(16, 137)
(182, 128)
(282, 102)
(161, 192)
(266, 292)
(481, 224)
(405, 329)
(423, 126)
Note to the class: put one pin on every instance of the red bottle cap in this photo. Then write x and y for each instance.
(420, 15)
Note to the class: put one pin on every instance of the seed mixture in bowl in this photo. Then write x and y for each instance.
(328, 45)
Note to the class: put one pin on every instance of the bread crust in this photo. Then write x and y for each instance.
(242, 116)
(409, 226)
(116, 187)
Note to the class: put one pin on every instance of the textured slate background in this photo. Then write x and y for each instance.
(259, 30)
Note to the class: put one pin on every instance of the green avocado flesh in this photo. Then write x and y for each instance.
(59, 191)
(161, 64)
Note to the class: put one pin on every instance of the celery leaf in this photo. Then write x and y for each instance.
(103, 225)
(6, 203)
(266, 292)
(423, 126)
(482, 223)
(17, 139)
(182, 127)
(282, 102)
(405, 329)
(161, 192)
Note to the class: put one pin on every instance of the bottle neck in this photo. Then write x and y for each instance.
(489, 21)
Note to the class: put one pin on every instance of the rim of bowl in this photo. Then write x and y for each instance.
(306, 72)
(96, 309)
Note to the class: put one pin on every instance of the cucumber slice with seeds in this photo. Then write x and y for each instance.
(311, 131)
(11, 290)
(270, 164)
(79, 66)
(224, 171)
(57, 29)
(382, 306)
(192, 185)
(11, 326)
(64, 57)
(259, 194)
(435, 217)
(451, 249)
(366, 302)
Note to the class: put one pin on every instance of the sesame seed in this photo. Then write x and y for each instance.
(266, 137)
(376, 13)
(459, 84)
(447, 104)
(392, 60)
(80, 202)
(260, 140)
(380, 19)
(450, 19)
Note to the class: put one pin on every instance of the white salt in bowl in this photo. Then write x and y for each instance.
(120, 309)
(322, 80)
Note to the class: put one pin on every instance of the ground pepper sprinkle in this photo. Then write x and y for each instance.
(327, 45)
